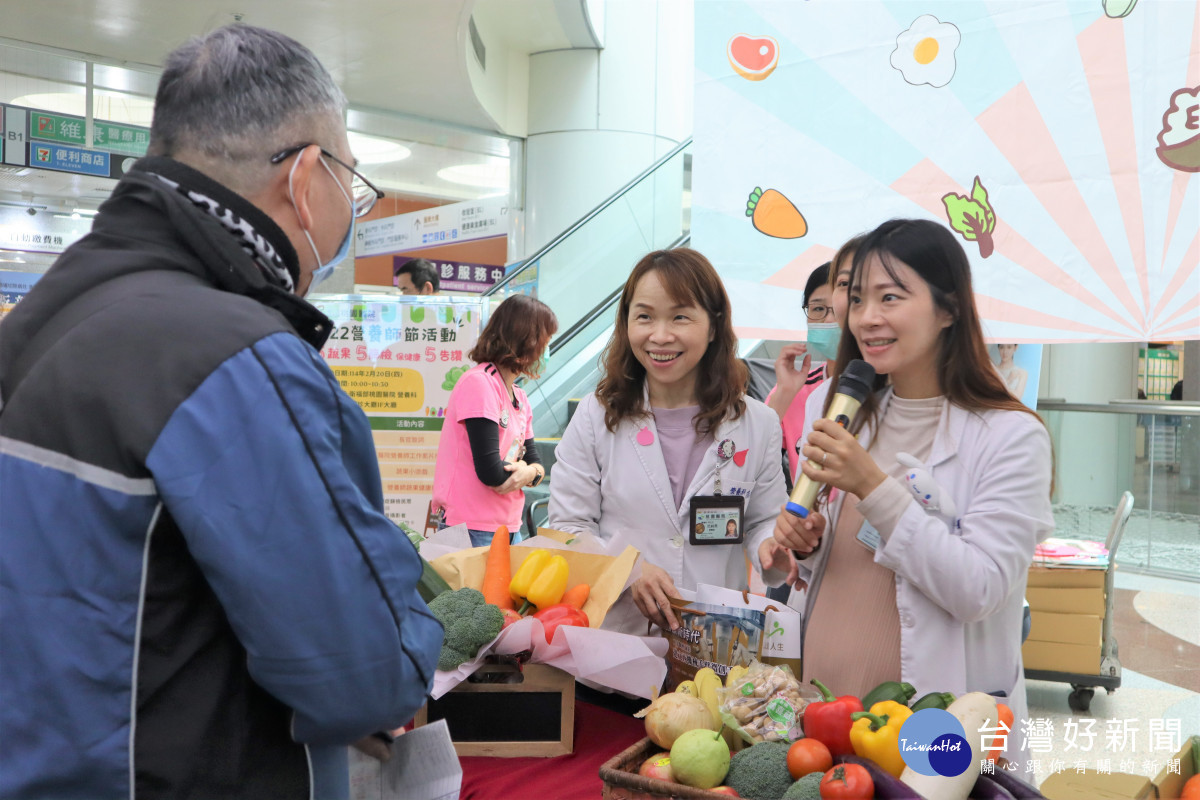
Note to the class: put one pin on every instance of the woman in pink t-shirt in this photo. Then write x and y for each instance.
(487, 455)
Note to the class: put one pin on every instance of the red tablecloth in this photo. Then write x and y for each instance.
(600, 734)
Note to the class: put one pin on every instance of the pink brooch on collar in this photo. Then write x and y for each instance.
(645, 437)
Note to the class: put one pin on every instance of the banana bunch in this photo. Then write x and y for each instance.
(707, 682)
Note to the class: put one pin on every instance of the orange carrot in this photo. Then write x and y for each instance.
(497, 573)
(576, 596)
(773, 214)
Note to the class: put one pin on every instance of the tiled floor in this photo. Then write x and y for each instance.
(1143, 723)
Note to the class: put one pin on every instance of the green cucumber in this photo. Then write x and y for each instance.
(940, 700)
(889, 690)
(431, 584)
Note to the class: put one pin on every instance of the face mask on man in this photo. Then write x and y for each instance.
(823, 340)
(323, 271)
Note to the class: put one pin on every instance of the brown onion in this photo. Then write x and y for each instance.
(674, 714)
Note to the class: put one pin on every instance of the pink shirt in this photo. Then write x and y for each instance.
(480, 393)
(793, 420)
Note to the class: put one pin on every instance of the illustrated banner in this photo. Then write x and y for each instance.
(1060, 140)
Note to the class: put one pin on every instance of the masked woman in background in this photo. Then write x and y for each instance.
(486, 455)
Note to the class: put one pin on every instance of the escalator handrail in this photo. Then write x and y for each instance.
(590, 317)
(533, 259)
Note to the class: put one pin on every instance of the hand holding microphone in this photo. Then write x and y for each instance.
(853, 386)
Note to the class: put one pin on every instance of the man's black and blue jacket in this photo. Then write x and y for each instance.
(200, 594)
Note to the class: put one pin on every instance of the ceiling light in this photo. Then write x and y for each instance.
(90, 212)
(493, 175)
(374, 150)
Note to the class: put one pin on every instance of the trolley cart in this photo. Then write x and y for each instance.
(1083, 686)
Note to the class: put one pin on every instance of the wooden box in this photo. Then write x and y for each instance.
(505, 712)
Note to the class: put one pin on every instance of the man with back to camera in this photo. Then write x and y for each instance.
(417, 276)
(200, 594)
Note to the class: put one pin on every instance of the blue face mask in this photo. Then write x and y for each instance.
(543, 363)
(324, 270)
(823, 340)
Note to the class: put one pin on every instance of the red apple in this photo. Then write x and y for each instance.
(510, 616)
(657, 766)
(729, 790)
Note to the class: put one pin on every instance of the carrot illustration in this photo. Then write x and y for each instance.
(774, 215)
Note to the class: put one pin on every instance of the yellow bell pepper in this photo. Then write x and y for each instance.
(518, 587)
(540, 581)
(875, 734)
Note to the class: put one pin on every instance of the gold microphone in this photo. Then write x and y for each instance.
(853, 386)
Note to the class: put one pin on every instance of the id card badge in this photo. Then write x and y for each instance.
(868, 537)
(717, 519)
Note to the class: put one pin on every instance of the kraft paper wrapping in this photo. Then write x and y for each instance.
(606, 575)
(632, 664)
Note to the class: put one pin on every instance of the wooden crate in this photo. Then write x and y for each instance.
(506, 712)
(622, 782)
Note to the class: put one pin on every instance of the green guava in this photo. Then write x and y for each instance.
(700, 758)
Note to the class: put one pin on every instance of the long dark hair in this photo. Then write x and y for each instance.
(688, 278)
(516, 334)
(965, 373)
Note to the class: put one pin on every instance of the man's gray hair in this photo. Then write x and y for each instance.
(233, 98)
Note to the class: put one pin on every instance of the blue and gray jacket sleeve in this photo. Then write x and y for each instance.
(270, 472)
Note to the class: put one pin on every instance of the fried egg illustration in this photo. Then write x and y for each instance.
(925, 52)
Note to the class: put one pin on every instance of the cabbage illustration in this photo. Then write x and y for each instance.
(452, 377)
(972, 217)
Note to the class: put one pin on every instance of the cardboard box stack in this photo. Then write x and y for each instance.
(1067, 606)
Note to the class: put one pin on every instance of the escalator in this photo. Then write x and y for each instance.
(581, 272)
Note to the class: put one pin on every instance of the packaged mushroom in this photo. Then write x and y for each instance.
(766, 704)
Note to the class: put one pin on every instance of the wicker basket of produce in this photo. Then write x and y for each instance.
(622, 781)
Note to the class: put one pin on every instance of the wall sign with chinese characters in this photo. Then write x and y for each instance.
(43, 232)
(59, 142)
(430, 227)
(399, 358)
(461, 276)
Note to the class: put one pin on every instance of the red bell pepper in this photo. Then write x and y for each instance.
(828, 721)
(561, 614)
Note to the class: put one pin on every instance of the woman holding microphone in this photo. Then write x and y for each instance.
(934, 579)
(669, 448)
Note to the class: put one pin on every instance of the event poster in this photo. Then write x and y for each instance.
(14, 286)
(1058, 139)
(399, 358)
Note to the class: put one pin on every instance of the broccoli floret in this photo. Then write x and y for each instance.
(760, 772)
(470, 623)
(807, 788)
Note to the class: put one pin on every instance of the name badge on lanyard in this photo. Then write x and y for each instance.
(717, 518)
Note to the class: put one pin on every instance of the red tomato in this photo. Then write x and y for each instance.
(1191, 789)
(510, 616)
(847, 782)
(806, 756)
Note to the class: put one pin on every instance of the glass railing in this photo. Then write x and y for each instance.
(1151, 449)
(586, 262)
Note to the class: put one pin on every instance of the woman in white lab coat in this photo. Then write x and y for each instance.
(669, 448)
(923, 548)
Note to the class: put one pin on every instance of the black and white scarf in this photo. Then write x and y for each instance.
(257, 246)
